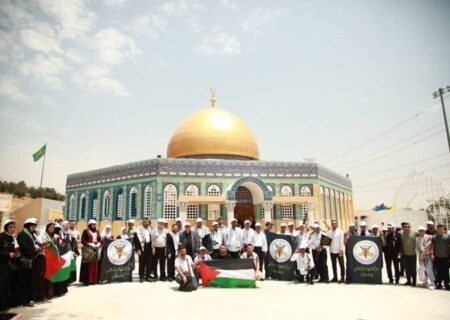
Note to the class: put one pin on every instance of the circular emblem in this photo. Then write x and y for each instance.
(119, 252)
(280, 250)
(88, 254)
(366, 252)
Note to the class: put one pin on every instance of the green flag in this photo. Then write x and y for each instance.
(39, 153)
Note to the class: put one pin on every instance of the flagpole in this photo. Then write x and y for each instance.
(43, 165)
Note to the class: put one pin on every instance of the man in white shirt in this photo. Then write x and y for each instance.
(247, 233)
(217, 238)
(291, 231)
(202, 255)
(234, 239)
(160, 240)
(362, 231)
(143, 241)
(185, 271)
(337, 249)
(302, 236)
(319, 253)
(222, 227)
(73, 231)
(304, 265)
(260, 244)
(283, 227)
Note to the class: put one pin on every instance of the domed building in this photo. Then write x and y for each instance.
(212, 169)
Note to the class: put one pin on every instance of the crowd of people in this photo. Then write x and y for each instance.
(23, 263)
(168, 254)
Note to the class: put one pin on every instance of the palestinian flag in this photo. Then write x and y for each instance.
(229, 273)
(59, 262)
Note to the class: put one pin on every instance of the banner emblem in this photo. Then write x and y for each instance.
(280, 250)
(366, 252)
(119, 252)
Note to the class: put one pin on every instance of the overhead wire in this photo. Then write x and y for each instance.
(399, 177)
(383, 133)
(389, 146)
(367, 162)
(401, 166)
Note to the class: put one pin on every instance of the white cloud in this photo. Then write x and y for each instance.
(39, 42)
(75, 19)
(107, 85)
(98, 79)
(149, 25)
(46, 69)
(258, 18)
(173, 7)
(10, 49)
(10, 89)
(219, 44)
(75, 55)
(113, 47)
(230, 4)
(114, 3)
(55, 41)
(195, 25)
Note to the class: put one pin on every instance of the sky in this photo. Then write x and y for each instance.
(346, 83)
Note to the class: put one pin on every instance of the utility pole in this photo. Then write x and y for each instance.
(439, 93)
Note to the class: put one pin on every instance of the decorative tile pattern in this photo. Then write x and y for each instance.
(207, 167)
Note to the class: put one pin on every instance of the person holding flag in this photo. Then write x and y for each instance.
(72, 240)
(47, 240)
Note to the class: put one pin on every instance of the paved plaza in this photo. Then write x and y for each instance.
(270, 300)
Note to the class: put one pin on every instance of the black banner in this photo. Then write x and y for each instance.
(364, 259)
(116, 257)
(280, 248)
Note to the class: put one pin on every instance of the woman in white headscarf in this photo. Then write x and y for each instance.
(107, 233)
(123, 234)
(47, 237)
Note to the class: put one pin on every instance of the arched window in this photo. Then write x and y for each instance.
(305, 191)
(192, 209)
(148, 192)
(82, 213)
(132, 206)
(213, 209)
(72, 203)
(287, 210)
(93, 208)
(170, 201)
(118, 205)
(106, 204)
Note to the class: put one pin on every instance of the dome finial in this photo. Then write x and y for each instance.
(213, 97)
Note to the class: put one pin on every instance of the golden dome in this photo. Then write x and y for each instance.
(213, 132)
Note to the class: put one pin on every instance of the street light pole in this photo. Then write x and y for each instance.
(440, 93)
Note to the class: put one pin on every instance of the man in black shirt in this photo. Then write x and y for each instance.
(391, 248)
(222, 254)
